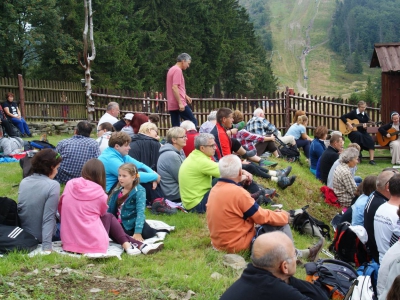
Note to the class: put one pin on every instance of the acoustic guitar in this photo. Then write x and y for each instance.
(355, 123)
(384, 140)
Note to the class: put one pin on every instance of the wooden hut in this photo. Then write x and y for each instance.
(387, 57)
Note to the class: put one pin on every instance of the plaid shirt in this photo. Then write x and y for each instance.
(248, 139)
(75, 152)
(261, 126)
(344, 185)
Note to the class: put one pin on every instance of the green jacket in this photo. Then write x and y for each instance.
(195, 176)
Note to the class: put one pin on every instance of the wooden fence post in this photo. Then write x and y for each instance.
(21, 95)
(287, 105)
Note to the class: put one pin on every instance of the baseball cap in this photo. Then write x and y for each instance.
(128, 116)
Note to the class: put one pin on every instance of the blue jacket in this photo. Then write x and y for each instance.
(112, 160)
(132, 212)
(316, 148)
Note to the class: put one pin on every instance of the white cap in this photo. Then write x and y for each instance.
(128, 116)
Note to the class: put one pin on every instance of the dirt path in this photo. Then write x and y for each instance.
(302, 83)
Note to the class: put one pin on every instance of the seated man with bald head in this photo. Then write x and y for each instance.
(270, 275)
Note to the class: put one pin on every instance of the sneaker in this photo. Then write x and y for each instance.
(315, 250)
(133, 251)
(284, 182)
(267, 163)
(160, 207)
(250, 153)
(161, 234)
(284, 172)
(372, 162)
(151, 248)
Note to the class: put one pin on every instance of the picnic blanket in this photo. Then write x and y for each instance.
(114, 250)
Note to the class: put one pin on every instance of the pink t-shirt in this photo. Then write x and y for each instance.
(175, 76)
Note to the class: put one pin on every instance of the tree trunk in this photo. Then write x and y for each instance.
(87, 59)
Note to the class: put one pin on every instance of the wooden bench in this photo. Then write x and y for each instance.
(373, 130)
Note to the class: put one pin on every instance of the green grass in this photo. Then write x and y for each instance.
(186, 263)
(326, 71)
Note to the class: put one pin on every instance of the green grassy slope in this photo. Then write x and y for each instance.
(300, 24)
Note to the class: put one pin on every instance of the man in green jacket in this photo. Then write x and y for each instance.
(197, 171)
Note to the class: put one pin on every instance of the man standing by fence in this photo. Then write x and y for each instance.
(176, 91)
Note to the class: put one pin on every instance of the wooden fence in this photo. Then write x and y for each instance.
(279, 108)
(45, 100)
(63, 101)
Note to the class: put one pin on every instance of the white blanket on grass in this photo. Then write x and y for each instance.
(114, 250)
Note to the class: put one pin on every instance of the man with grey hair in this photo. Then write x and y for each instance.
(196, 173)
(344, 185)
(377, 198)
(232, 214)
(260, 125)
(270, 275)
(207, 126)
(111, 114)
(177, 99)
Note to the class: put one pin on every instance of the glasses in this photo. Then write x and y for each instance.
(213, 145)
(154, 131)
(182, 137)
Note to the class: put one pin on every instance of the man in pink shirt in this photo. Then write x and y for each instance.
(176, 91)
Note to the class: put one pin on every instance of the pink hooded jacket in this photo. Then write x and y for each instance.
(81, 205)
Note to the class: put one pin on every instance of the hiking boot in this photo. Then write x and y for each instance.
(250, 153)
(133, 251)
(151, 248)
(284, 182)
(284, 172)
(315, 250)
(262, 199)
(257, 194)
(160, 207)
(267, 163)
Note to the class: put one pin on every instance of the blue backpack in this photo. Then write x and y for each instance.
(371, 269)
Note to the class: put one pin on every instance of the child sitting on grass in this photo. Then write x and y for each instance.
(86, 225)
(128, 204)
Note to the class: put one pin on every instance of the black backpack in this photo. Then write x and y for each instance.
(14, 238)
(335, 275)
(289, 152)
(347, 246)
(8, 212)
(304, 223)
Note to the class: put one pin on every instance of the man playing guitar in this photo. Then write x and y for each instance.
(390, 134)
(360, 136)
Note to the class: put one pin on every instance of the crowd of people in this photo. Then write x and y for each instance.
(110, 181)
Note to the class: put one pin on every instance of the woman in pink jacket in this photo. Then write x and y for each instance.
(85, 224)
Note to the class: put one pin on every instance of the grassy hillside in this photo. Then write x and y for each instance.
(301, 58)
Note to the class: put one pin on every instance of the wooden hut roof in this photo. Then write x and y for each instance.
(386, 56)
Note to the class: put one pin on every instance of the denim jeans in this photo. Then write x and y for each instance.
(201, 207)
(187, 114)
(21, 124)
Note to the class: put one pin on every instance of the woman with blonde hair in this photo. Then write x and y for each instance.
(299, 131)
